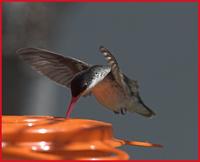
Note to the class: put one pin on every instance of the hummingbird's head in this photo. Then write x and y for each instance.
(84, 81)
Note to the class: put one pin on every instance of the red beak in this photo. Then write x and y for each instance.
(71, 106)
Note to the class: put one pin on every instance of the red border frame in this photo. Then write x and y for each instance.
(161, 1)
(99, 1)
(1, 70)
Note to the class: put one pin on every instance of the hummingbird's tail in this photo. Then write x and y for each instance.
(142, 109)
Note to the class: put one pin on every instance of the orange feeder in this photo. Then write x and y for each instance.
(53, 138)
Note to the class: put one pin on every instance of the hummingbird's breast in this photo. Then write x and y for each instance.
(109, 94)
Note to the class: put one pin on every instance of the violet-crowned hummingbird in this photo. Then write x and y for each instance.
(107, 83)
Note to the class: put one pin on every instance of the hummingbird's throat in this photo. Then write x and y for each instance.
(71, 106)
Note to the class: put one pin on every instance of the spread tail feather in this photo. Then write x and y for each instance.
(142, 109)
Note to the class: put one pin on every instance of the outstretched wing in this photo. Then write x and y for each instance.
(118, 75)
(56, 67)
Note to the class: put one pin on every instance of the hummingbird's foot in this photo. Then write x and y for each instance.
(123, 111)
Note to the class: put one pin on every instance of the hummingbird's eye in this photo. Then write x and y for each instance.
(78, 85)
(85, 83)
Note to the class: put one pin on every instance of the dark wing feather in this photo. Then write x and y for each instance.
(56, 67)
(118, 75)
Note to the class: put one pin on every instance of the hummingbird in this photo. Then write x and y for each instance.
(111, 88)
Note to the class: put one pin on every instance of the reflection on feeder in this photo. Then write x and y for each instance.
(51, 138)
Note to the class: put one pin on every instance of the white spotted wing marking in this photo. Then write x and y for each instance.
(118, 75)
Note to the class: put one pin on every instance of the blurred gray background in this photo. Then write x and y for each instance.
(154, 43)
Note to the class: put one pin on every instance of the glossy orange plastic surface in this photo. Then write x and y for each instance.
(52, 138)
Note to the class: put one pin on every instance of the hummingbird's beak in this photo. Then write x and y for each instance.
(71, 106)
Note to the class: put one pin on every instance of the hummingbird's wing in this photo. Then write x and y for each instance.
(56, 67)
(118, 75)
